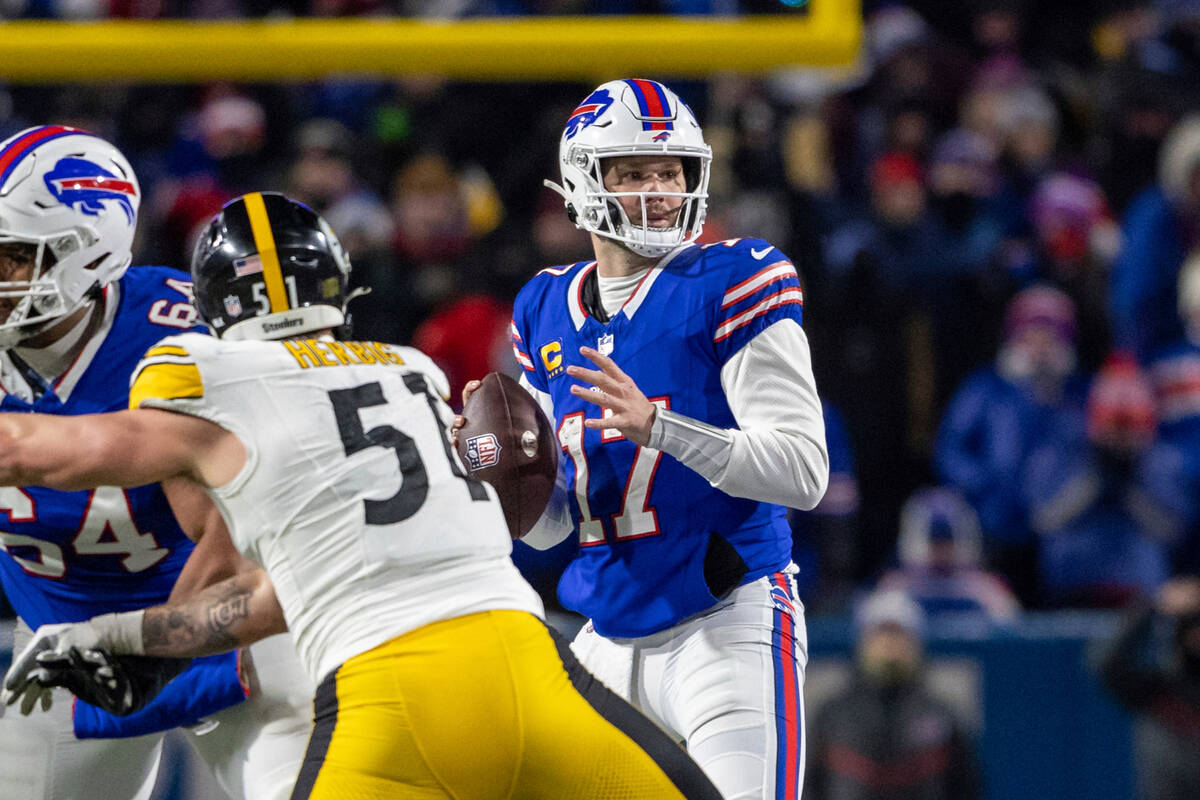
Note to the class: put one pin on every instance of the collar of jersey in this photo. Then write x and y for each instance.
(579, 314)
(111, 298)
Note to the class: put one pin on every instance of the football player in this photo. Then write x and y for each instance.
(331, 463)
(679, 379)
(73, 324)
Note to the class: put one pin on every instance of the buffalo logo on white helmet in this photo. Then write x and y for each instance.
(68, 206)
(80, 183)
(590, 110)
(632, 117)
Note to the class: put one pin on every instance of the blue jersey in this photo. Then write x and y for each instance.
(72, 555)
(1176, 376)
(644, 519)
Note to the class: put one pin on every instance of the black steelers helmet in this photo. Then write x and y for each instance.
(268, 267)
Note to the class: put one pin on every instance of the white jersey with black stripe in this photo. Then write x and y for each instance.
(351, 498)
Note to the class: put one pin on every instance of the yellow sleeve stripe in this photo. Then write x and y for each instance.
(167, 381)
(264, 240)
(166, 350)
(169, 358)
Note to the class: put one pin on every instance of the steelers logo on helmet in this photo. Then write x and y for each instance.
(268, 267)
(633, 117)
(68, 211)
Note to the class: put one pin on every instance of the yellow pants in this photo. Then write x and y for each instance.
(482, 707)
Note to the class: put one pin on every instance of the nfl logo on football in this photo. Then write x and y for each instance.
(233, 306)
(483, 451)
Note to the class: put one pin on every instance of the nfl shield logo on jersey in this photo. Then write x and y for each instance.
(233, 306)
(605, 344)
(483, 451)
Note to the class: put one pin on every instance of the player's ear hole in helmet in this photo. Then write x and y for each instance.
(269, 267)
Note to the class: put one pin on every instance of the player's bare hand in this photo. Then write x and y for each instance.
(632, 414)
(459, 420)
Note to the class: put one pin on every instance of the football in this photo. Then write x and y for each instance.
(508, 442)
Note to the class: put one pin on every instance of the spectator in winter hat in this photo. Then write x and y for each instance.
(963, 179)
(1107, 505)
(1076, 240)
(940, 549)
(1000, 413)
(886, 737)
(1039, 342)
(897, 189)
(1072, 222)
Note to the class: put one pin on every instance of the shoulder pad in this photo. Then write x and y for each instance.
(168, 369)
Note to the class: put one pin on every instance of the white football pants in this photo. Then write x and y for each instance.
(727, 683)
(254, 749)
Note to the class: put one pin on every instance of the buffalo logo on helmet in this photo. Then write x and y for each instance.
(483, 451)
(590, 110)
(84, 185)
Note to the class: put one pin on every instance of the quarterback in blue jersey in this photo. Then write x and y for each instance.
(679, 380)
(73, 324)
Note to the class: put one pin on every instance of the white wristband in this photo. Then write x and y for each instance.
(699, 446)
(121, 633)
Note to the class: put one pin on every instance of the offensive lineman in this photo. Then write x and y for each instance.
(331, 464)
(680, 383)
(73, 324)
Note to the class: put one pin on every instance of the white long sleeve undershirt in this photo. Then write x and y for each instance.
(615, 291)
(777, 453)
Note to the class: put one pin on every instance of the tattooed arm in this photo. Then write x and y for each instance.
(238, 611)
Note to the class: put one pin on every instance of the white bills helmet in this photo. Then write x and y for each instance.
(632, 118)
(73, 198)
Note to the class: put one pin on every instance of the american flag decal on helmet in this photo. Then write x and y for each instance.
(250, 265)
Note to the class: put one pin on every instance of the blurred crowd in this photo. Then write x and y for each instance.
(996, 215)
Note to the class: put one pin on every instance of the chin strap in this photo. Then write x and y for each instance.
(559, 190)
(346, 329)
(359, 292)
(562, 192)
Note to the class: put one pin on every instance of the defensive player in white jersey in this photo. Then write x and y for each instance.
(331, 463)
(74, 322)
(679, 380)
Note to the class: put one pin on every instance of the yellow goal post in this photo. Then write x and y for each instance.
(820, 33)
